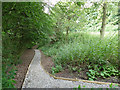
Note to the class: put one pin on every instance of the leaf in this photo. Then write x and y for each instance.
(111, 85)
(80, 3)
(84, 86)
(102, 74)
(79, 87)
(91, 79)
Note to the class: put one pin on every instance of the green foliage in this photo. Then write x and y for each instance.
(105, 71)
(113, 86)
(94, 16)
(23, 26)
(65, 17)
(99, 57)
(79, 87)
(8, 73)
(80, 3)
(26, 24)
(110, 85)
(56, 69)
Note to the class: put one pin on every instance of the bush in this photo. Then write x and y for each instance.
(83, 48)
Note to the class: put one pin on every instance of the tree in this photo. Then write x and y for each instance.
(66, 15)
(23, 25)
(26, 23)
(119, 33)
(102, 31)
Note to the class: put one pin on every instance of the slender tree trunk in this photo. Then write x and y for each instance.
(67, 30)
(119, 35)
(102, 31)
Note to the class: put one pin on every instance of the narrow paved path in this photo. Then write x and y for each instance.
(36, 77)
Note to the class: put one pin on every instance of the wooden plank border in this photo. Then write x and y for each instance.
(72, 79)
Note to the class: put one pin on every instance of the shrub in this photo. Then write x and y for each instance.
(88, 50)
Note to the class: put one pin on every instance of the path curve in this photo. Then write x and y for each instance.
(36, 77)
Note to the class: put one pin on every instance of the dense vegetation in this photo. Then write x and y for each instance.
(24, 25)
(79, 49)
(64, 34)
(85, 51)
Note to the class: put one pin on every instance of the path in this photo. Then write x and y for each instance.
(36, 77)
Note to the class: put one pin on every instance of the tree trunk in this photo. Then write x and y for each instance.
(102, 31)
(119, 35)
(67, 30)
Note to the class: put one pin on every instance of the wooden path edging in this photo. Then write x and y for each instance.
(72, 79)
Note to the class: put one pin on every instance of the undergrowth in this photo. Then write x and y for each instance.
(8, 75)
(85, 51)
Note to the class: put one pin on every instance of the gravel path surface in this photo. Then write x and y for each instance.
(36, 77)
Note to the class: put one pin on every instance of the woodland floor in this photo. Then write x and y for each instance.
(47, 63)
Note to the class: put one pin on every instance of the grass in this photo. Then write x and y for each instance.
(100, 57)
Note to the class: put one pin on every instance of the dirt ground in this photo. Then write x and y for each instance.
(22, 68)
(47, 64)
